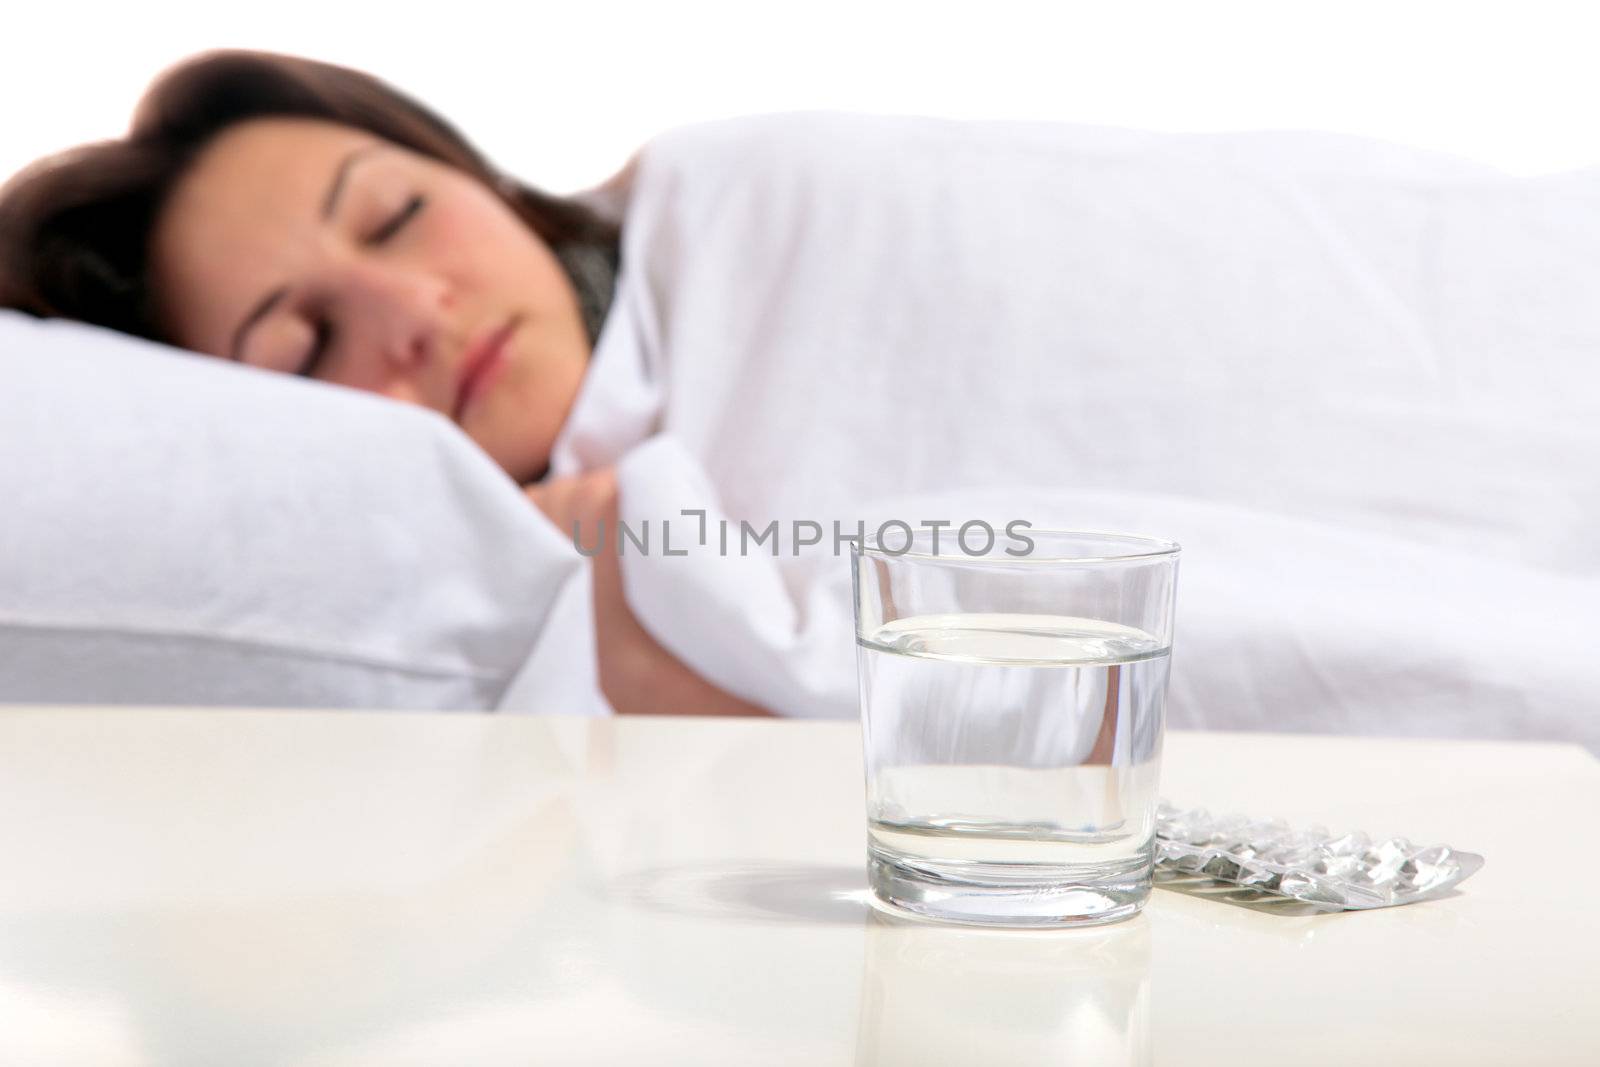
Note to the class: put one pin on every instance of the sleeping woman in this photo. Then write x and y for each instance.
(309, 219)
(1271, 349)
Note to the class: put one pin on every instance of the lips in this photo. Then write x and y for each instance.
(483, 358)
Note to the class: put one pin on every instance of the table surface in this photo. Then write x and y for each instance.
(334, 889)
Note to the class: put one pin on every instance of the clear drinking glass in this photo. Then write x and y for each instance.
(1012, 708)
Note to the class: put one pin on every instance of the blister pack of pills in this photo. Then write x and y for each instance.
(1348, 871)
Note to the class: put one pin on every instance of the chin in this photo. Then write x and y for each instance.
(522, 470)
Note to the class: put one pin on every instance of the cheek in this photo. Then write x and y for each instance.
(446, 239)
(484, 241)
(191, 304)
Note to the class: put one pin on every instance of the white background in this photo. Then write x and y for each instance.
(561, 93)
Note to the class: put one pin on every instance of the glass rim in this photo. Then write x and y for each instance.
(1153, 548)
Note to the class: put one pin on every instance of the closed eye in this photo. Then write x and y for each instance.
(319, 349)
(398, 221)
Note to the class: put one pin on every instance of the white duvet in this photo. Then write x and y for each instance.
(1357, 382)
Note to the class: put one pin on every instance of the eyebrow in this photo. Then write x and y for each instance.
(329, 204)
(332, 199)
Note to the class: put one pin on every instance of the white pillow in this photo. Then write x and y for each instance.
(182, 530)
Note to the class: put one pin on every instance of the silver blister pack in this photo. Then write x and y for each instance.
(1347, 871)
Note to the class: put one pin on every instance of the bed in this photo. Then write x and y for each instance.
(1355, 380)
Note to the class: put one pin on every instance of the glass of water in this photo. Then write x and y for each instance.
(1012, 707)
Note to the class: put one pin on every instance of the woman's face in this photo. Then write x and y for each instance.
(313, 248)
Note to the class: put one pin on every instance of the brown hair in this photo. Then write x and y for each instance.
(75, 227)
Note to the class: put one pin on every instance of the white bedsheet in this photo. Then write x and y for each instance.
(1356, 381)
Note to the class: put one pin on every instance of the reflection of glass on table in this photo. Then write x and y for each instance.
(934, 993)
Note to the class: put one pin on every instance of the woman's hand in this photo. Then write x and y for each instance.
(637, 675)
(578, 504)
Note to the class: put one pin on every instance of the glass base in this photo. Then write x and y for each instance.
(993, 894)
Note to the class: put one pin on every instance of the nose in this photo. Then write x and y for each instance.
(396, 318)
